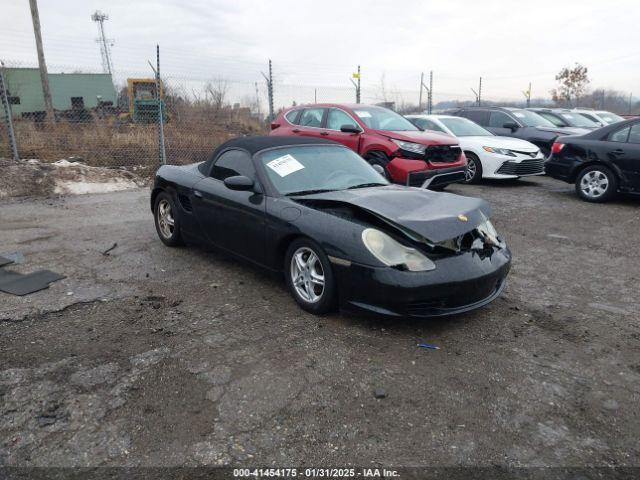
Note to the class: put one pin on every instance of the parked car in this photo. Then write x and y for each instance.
(562, 117)
(518, 123)
(338, 230)
(601, 117)
(488, 155)
(382, 137)
(600, 163)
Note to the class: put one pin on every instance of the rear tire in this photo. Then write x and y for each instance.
(596, 184)
(473, 174)
(309, 277)
(379, 158)
(167, 220)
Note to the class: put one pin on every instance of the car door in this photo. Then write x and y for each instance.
(311, 121)
(497, 120)
(336, 119)
(623, 150)
(481, 117)
(232, 220)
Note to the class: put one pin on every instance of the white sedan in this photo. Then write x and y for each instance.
(489, 156)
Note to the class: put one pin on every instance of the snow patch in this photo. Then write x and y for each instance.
(67, 163)
(83, 187)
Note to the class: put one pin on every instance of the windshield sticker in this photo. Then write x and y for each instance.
(363, 114)
(285, 165)
(518, 114)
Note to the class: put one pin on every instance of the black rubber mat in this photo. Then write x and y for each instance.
(19, 284)
(5, 261)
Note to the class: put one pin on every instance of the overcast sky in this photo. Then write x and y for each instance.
(319, 43)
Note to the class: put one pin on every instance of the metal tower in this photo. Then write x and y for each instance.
(104, 42)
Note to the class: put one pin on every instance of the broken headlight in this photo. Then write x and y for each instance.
(488, 232)
(393, 253)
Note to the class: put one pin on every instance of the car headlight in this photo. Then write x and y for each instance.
(410, 146)
(499, 151)
(488, 231)
(394, 254)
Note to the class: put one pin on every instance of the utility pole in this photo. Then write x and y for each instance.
(44, 76)
(269, 80)
(480, 92)
(356, 84)
(99, 18)
(527, 95)
(630, 101)
(259, 113)
(163, 153)
(428, 89)
(430, 96)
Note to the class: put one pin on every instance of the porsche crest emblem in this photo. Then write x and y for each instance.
(463, 218)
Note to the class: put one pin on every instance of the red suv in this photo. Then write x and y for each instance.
(407, 154)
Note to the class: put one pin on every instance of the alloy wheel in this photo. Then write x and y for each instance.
(594, 184)
(307, 275)
(166, 222)
(470, 172)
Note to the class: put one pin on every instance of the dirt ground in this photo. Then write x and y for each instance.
(158, 356)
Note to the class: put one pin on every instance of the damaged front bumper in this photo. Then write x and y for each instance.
(459, 283)
(436, 178)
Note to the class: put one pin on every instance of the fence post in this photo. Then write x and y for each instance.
(162, 152)
(7, 111)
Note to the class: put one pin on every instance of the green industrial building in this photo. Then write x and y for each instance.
(68, 90)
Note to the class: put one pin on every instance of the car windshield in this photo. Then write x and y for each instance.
(380, 118)
(531, 119)
(609, 117)
(317, 168)
(461, 127)
(576, 120)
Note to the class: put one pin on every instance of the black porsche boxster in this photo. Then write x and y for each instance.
(342, 235)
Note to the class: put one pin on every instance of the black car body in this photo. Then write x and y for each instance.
(518, 123)
(215, 205)
(600, 163)
(563, 118)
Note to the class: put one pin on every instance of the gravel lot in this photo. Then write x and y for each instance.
(158, 356)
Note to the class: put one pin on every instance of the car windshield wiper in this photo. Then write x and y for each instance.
(309, 192)
(365, 185)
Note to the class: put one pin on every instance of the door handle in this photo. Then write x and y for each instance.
(618, 151)
(197, 193)
(324, 134)
(296, 130)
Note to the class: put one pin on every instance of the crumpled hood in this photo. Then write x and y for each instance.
(434, 215)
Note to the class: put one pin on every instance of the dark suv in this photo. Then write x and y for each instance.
(518, 123)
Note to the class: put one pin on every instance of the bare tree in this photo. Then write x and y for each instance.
(573, 83)
(216, 91)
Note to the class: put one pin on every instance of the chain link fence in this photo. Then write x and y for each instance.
(114, 120)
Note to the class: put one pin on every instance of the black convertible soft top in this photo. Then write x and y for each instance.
(257, 143)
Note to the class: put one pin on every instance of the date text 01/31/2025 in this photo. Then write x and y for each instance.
(315, 472)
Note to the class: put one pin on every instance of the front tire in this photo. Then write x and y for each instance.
(596, 184)
(167, 220)
(473, 173)
(309, 277)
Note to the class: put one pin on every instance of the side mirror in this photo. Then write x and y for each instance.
(513, 126)
(239, 182)
(350, 129)
(379, 169)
